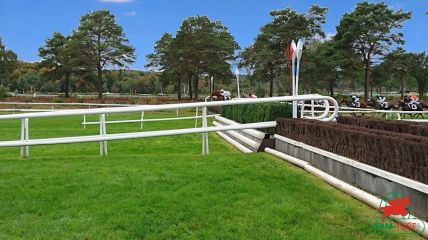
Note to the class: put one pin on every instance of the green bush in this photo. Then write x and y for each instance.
(3, 92)
(262, 112)
(58, 100)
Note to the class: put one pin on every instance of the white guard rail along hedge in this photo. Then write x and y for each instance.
(103, 137)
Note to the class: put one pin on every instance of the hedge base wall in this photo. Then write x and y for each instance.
(403, 154)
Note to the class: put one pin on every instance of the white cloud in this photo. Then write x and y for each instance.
(131, 14)
(116, 1)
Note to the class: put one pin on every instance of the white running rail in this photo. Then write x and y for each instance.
(103, 137)
(311, 113)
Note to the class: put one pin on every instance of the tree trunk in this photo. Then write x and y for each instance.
(421, 90)
(213, 86)
(271, 83)
(66, 89)
(196, 78)
(190, 87)
(331, 88)
(99, 81)
(366, 79)
(179, 89)
(402, 86)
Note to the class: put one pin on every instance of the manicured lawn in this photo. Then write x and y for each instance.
(163, 188)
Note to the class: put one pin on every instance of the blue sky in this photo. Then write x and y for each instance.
(25, 24)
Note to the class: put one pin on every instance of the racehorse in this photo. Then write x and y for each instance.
(374, 103)
(349, 103)
(218, 95)
(414, 107)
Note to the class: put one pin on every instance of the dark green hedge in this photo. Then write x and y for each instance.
(262, 112)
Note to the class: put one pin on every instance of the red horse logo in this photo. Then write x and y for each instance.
(395, 207)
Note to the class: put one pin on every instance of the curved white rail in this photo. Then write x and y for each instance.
(103, 137)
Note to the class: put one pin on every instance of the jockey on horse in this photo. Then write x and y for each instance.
(355, 101)
(221, 95)
(412, 102)
(382, 103)
(226, 94)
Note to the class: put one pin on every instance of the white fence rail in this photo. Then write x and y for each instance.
(388, 113)
(103, 137)
(67, 104)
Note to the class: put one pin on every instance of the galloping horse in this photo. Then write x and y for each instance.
(424, 105)
(414, 107)
(374, 103)
(218, 95)
(349, 103)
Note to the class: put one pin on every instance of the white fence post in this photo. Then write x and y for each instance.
(205, 145)
(84, 121)
(25, 151)
(196, 117)
(312, 109)
(27, 136)
(103, 132)
(142, 120)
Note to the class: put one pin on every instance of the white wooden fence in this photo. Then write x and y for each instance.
(103, 137)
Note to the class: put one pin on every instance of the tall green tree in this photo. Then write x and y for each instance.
(399, 63)
(98, 43)
(371, 30)
(8, 63)
(200, 47)
(268, 55)
(325, 65)
(58, 58)
(419, 71)
(165, 59)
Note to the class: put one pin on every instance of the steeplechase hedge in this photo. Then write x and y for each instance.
(400, 153)
(419, 129)
(260, 112)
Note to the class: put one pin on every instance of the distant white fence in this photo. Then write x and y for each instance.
(103, 137)
(66, 104)
(388, 113)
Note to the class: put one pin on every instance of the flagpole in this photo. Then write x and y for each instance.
(299, 50)
(237, 83)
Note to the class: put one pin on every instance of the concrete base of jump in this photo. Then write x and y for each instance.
(368, 178)
(248, 140)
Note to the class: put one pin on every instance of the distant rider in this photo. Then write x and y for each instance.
(382, 102)
(355, 101)
(225, 94)
(414, 99)
(411, 101)
(406, 99)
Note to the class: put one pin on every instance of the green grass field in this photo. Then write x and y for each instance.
(163, 188)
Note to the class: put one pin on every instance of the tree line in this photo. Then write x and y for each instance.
(365, 53)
